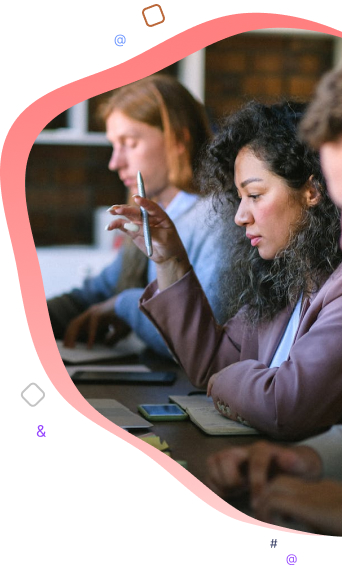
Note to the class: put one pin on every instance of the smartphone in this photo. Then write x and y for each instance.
(167, 412)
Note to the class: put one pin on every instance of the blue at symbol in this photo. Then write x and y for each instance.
(120, 40)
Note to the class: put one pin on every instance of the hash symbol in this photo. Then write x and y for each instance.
(273, 543)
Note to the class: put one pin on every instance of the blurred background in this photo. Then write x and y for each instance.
(68, 184)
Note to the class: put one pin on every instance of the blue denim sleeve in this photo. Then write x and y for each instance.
(102, 287)
(126, 307)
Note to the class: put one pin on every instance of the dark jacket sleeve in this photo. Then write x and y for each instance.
(63, 308)
(304, 395)
(184, 318)
(300, 398)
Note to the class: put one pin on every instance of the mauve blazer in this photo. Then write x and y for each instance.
(300, 398)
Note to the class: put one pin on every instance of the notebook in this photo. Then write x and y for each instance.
(202, 412)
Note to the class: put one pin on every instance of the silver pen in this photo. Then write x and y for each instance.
(144, 214)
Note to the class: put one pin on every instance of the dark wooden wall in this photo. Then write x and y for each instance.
(64, 184)
(264, 66)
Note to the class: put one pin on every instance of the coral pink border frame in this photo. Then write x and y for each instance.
(15, 153)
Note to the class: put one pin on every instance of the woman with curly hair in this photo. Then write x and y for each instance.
(277, 363)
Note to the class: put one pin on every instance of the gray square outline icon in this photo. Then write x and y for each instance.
(39, 400)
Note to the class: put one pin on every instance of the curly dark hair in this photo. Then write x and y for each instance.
(264, 287)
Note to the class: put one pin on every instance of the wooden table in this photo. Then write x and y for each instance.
(187, 442)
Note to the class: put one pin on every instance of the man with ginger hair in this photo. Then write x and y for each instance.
(158, 128)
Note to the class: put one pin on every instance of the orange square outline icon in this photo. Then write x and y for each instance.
(157, 23)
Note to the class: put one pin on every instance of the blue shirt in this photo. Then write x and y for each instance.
(283, 350)
(203, 243)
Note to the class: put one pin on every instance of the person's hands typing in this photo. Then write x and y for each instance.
(98, 319)
(316, 504)
(238, 470)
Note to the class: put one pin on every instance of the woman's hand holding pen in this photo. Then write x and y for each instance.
(168, 251)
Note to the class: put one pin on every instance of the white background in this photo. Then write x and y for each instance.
(81, 495)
